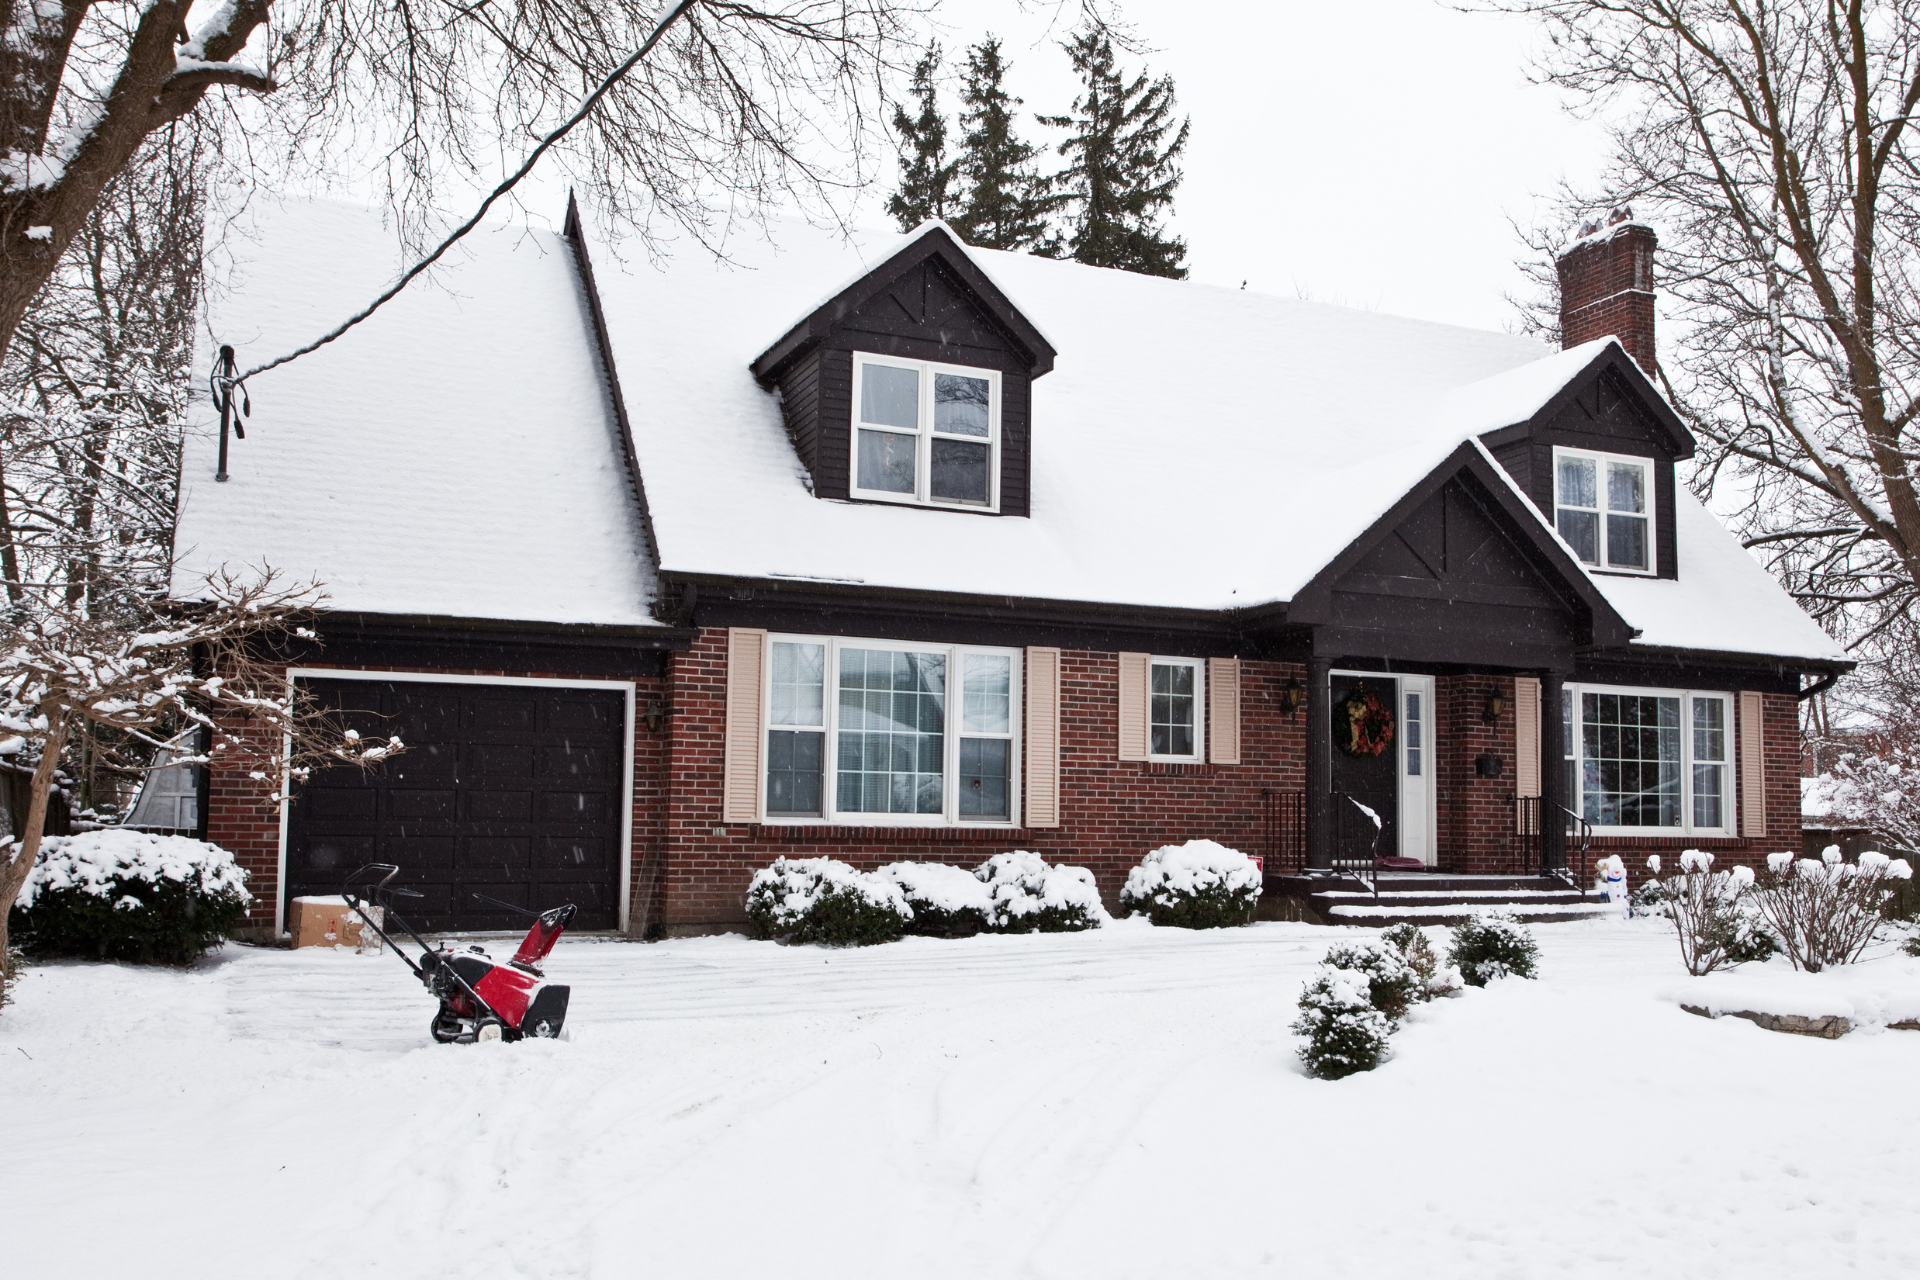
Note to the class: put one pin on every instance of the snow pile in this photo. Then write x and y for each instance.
(1030, 896)
(823, 900)
(1197, 885)
(947, 901)
(103, 863)
(1867, 995)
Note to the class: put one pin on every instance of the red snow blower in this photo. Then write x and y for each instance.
(480, 999)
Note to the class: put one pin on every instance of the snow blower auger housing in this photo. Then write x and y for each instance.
(480, 998)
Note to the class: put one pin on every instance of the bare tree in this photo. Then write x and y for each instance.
(1772, 144)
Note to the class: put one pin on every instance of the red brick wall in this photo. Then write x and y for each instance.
(1606, 288)
(247, 825)
(1474, 815)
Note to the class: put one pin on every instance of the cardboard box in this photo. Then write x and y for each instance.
(329, 922)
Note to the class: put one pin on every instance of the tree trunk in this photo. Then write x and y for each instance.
(15, 873)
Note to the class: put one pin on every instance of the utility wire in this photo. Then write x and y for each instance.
(586, 107)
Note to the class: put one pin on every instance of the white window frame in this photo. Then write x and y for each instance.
(1600, 461)
(1199, 665)
(949, 816)
(922, 495)
(1574, 749)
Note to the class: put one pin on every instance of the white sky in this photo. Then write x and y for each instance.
(1366, 152)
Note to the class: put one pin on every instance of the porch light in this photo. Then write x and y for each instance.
(1495, 708)
(1292, 697)
(656, 715)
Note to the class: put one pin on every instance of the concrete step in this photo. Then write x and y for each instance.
(1390, 911)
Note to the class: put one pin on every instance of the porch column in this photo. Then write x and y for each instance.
(1553, 774)
(1320, 763)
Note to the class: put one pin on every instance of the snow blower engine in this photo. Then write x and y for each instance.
(480, 999)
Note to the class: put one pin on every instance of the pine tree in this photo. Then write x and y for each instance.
(1007, 199)
(925, 172)
(1122, 170)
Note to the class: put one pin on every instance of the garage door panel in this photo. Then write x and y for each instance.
(513, 792)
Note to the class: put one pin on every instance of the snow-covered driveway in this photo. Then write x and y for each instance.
(1116, 1104)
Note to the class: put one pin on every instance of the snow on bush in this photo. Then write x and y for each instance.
(947, 902)
(1029, 896)
(1712, 916)
(1345, 1034)
(1196, 885)
(1493, 944)
(1409, 942)
(1392, 987)
(1826, 911)
(113, 894)
(821, 900)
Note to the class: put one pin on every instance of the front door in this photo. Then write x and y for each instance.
(1366, 767)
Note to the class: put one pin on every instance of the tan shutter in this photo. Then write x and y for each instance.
(1526, 740)
(740, 784)
(1133, 705)
(1043, 737)
(1753, 765)
(1223, 710)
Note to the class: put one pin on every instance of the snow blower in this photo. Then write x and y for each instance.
(480, 999)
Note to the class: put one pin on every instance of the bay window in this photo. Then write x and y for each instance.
(925, 433)
(1639, 760)
(870, 732)
(1603, 507)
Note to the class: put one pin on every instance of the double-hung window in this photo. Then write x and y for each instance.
(1649, 758)
(1603, 507)
(1176, 709)
(876, 732)
(925, 433)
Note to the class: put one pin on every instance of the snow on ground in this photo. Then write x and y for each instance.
(1119, 1103)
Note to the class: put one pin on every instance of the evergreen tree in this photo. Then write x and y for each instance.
(1007, 199)
(925, 172)
(1122, 168)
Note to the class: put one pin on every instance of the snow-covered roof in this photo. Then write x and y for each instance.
(455, 455)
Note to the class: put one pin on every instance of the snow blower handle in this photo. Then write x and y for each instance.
(380, 893)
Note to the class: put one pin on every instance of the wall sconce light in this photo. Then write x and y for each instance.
(1293, 697)
(656, 715)
(1495, 708)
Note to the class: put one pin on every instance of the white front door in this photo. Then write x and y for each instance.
(1416, 768)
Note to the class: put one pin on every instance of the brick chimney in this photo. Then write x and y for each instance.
(1606, 286)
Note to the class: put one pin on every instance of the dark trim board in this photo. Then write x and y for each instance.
(1694, 671)
(465, 644)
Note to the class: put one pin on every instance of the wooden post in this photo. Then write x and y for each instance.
(1320, 833)
(1553, 775)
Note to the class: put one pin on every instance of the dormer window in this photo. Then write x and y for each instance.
(1603, 507)
(926, 433)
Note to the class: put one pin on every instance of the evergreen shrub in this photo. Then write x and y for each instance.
(1493, 944)
(1196, 885)
(802, 900)
(1029, 896)
(1345, 1033)
(114, 894)
(947, 902)
(1410, 942)
(1392, 987)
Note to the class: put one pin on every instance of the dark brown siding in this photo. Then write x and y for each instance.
(800, 404)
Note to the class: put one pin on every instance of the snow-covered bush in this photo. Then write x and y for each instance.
(1030, 896)
(114, 894)
(1711, 917)
(1345, 1033)
(1826, 911)
(1410, 942)
(822, 900)
(1493, 944)
(947, 902)
(1392, 987)
(1196, 885)
(1650, 899)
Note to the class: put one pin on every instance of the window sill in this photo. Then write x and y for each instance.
(834, 831)
(1176, 767)
(1624, 838)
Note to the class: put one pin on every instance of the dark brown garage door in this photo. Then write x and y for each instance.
(508, 790)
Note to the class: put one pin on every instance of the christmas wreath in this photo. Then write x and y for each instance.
(1362, 724)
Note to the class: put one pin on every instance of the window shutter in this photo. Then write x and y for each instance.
(1223, 710)
(1043, 737)
(1133, 705)
(740, 782)
(1753, 765)
(1526, 743)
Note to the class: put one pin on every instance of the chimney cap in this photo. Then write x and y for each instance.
(1619, 219)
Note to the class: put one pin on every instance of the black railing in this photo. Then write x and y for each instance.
(1527, 851)
(1284, 836)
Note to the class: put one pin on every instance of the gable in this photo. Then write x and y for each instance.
(1452, 548)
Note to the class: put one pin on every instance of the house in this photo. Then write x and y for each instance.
(899, 549)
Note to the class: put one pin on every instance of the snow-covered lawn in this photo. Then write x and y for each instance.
(1115, 1104)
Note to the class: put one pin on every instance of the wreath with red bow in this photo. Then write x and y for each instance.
(1362, 724)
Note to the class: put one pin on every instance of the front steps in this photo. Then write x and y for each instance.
(1435, 899)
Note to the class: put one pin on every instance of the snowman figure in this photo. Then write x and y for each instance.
(1613, 880)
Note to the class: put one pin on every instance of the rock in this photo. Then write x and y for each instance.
(1905, 1024)
(1828, 1027)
